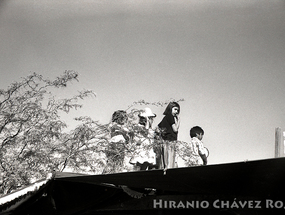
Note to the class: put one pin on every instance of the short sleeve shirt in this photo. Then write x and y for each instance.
(166, 124)
(198, 146)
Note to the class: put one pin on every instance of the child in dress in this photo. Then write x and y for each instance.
(144, 157)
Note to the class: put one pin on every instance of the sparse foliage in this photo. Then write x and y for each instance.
(158, 103)
(31, 129)
(33, 142)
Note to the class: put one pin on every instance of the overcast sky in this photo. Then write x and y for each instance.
(225, 58)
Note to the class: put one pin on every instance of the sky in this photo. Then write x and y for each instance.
(225, 58)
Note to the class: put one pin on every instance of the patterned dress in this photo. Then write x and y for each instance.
(143, 149)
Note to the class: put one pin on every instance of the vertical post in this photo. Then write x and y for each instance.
(283, 144)
(279, 142)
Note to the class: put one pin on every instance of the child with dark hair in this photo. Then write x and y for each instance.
(196, 134)
(118, 130)
(120, 136)
(169, 126)
(170, 122)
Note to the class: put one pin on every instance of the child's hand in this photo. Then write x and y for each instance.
(177, 123)
(204, 158)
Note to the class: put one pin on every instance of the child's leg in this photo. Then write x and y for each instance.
(171, 156)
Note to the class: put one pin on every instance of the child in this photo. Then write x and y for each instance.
(169, 125)
(120, 136)
(199, 151)
(170, 122)
(144, 156)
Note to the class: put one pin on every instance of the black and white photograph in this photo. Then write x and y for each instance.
(142, 107)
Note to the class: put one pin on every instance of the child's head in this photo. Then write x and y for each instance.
(197, 131)
(120, 117)
(172, 108)
(146, 115)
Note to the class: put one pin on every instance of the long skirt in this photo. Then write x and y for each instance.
(165, 155)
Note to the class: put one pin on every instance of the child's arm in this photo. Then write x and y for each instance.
(202, 153)
(176, 124)
(204, 158)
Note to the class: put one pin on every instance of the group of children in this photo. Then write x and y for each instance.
(149, 148)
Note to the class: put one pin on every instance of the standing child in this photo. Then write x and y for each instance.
(144, 157)
(120, 137)
(199, 151)
(169, 125)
